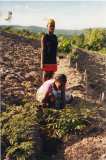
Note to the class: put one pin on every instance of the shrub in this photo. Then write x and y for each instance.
(17, 127)
(64, 45)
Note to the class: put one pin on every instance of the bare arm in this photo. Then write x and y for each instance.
(42, 50)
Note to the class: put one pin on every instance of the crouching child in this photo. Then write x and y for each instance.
(51, 94)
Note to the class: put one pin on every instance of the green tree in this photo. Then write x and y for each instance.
(95, 39)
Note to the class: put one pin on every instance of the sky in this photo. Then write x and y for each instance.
(67, 14)
(55, 0)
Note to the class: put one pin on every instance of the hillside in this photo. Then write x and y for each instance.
(37, 29)
(33, 133)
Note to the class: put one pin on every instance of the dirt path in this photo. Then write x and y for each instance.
(74, 78)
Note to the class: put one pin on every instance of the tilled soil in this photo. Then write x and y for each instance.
(90, 148)
(20, 69)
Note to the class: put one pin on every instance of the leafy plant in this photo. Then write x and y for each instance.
(64, 45)
(17, 127)
(58, 123)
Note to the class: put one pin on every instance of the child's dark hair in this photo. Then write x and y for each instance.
(61, 77)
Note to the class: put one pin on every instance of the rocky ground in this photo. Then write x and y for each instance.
(21, 76)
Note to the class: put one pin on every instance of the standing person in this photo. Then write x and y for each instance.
(49, 51)
(52, 92)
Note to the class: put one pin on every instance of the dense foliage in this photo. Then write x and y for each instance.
(20, 123)
(91, 39)
(58, 123)
(95, 39)
(64, 45)
(17, 125)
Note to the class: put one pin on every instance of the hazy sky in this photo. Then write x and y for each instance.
(68, 14)
(55, 0)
